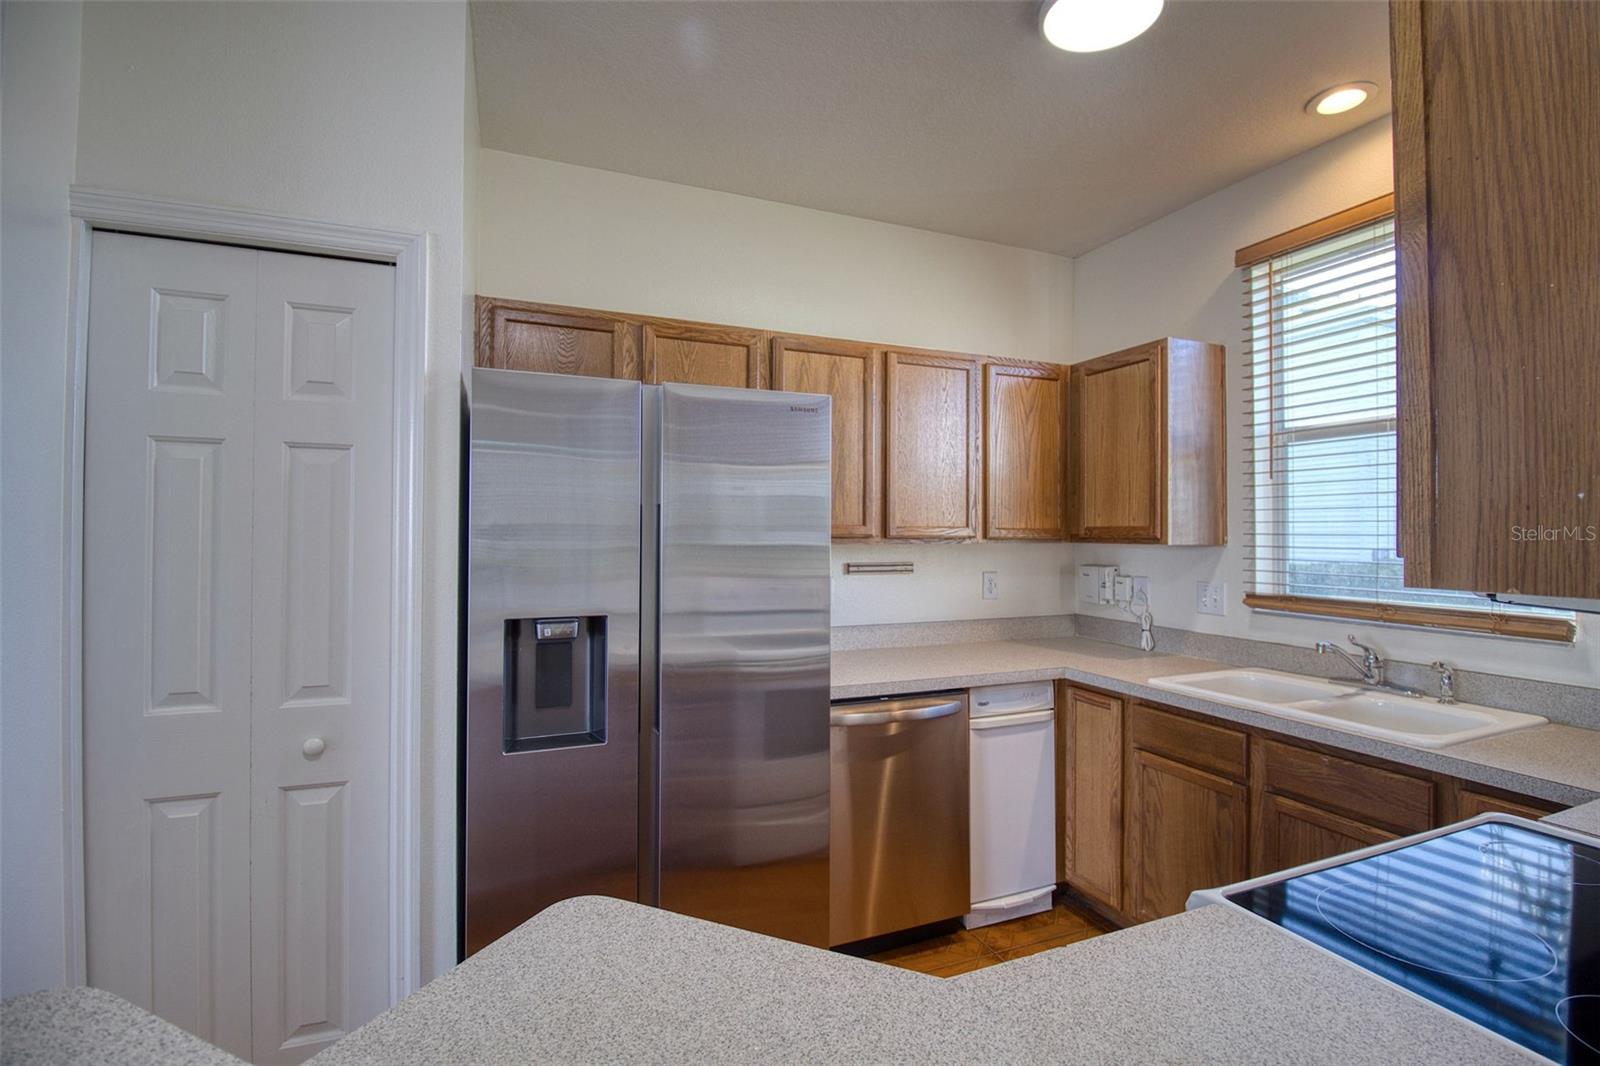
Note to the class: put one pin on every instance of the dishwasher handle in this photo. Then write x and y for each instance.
(1002, 721)
(902, 711)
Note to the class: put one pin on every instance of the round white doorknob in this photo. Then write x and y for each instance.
(313, 747)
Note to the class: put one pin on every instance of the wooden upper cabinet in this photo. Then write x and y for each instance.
(1497, 175)
(1025, 428)
(1146, 456)
(512, 335)
(852, 374)
(931, 446)
(910, 426)
(1116, 449)
(697, 354)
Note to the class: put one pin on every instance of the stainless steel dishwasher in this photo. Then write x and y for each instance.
(898, 831)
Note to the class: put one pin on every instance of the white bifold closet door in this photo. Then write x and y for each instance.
(236, 638)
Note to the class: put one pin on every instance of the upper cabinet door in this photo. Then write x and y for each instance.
(1146, 456)
(1025, 485)
(931, 446)
(852, 375)
(1497, 168)
(553, 340)
(695, 354)
(1117, 449)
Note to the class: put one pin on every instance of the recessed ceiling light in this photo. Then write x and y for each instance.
(1340, 98)
(1095, 25)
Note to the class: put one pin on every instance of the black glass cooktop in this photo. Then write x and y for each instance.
(1496, 922)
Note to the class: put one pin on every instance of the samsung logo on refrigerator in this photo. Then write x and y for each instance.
(805, 410)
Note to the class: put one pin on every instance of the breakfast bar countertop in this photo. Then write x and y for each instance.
(595, 979)
(1555, 762)
(90, 1026)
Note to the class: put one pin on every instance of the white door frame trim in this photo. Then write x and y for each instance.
(93, 209)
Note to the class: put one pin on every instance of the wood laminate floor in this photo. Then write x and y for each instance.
(965, 950)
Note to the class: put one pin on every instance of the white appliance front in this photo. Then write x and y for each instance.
(236, 639)
(1012, 802)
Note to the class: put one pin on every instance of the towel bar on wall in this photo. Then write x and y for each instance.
(878, 568)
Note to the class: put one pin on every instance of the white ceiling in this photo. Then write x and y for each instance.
(952, 116)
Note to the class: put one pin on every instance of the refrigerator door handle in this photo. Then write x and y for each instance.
(901, 712)
(654, 622)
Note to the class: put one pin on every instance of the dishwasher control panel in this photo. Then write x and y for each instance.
(1013, 699)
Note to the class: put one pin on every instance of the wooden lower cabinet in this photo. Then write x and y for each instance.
(1185, 830)
(1470, 802)
(1156, 803)
(1286, 832)
(1308, 804)
(1089, 824)
(1378, 795)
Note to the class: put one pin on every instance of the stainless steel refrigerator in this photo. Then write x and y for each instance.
(646, 652)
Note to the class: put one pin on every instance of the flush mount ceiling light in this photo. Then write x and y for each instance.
(1095, 25)
(1340, 98)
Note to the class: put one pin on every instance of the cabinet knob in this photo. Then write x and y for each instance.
(313, 747)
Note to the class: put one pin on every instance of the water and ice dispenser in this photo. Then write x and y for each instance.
(555, 682)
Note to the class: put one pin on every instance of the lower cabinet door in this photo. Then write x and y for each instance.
(1470, 803)
(1090, 826)
(1185, 831)
(1289, 833)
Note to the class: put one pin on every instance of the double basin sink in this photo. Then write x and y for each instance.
(1353, 708)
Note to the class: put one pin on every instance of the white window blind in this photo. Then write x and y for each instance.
(1320, 451)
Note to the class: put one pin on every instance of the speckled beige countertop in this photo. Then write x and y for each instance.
(1585, 818)
(91, 1027)
(1560, 763)
(599, 980)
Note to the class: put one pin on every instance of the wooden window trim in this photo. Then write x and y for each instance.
(1311, 232)
(1560, 630)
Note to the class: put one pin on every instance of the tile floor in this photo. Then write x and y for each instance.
(966, 950)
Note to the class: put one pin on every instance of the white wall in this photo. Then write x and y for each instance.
(1175, 277)
(353, 113)
(1035, 579)
(40, 94)
(565, 234)
(593, 238)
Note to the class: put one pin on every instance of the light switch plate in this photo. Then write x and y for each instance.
(1211, 597)
(991, 584)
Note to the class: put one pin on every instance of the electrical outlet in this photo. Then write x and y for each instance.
(1122, 589)
(1141, 591)
(1211, 597)
(991, 584)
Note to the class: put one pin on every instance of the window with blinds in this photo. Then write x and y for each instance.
(1320, 450)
